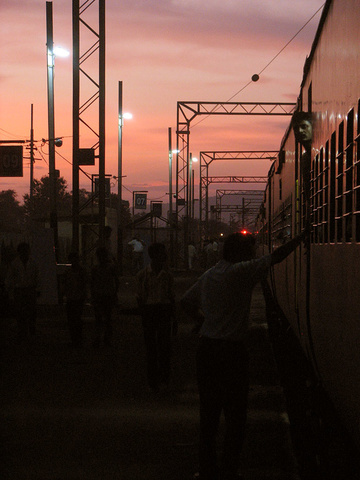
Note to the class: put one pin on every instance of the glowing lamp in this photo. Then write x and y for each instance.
(61, 52)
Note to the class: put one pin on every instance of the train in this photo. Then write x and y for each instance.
(314, 306)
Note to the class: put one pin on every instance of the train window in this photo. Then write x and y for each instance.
(358, 227)
(332, 186)
(357, 178)
(349, 155)
(320, 195)
(339, 184)
(326, 193)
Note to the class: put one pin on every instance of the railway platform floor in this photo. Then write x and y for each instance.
(87, 414)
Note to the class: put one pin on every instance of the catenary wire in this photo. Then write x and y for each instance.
(266, 66)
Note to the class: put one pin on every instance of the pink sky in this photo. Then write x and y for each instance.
(164, 51)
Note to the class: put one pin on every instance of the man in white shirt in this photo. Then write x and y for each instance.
(221, 300)
(137, 254)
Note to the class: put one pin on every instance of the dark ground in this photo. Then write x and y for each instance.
(88, 415)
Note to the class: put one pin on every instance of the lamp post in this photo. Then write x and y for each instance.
(121, 117)
(171, 220)
(51, 120)
(119, 231)
(192, 186)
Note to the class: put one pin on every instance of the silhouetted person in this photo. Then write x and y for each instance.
(137, 254)
(220, 302)
(191, 255)
(23, 286)
(75, 292)
(155, 297)
(104, 287)
(211, 251)
(303, 131)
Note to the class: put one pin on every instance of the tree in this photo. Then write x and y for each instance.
(39, 205)
(11, 212)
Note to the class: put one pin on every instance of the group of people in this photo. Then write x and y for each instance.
(205, 258)
(219, 302)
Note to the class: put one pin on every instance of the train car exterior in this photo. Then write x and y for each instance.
(317, 288)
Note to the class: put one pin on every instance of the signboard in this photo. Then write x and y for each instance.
(157, 208)
(11, 161)
(86, 156)
(107, 186)
(140, 201)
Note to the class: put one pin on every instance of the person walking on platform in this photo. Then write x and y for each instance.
(137, 254)
(75, 293)
(155, 296)
(104, 286)
(220, 302)
(191, 255)
(22, 283)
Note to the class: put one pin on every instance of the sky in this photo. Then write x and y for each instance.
(163, 51)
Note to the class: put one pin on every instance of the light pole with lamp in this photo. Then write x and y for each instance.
(51, 52)
(171, 220)
(121, 117)
(192, 204)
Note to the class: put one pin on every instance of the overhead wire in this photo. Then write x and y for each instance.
(266, 66)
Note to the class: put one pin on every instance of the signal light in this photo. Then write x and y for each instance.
(244, 231)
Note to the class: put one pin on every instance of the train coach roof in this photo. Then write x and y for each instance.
(309, 59)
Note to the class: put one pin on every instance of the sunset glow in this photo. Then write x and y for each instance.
(163, 52)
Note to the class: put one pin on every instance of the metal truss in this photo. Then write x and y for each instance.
(88, 93)
(207, 157)
(235, 179)
(187, 112)
(248, 209)
(206, 181)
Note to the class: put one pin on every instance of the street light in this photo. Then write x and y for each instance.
(171, 153)
(121, 117)
(60, 52)
(51, 53)
(192, 187)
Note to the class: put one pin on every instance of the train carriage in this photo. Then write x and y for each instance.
(318, 287)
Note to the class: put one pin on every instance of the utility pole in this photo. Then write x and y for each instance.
(120, 232)
(171, 224)
(32, 154)
(51, 123)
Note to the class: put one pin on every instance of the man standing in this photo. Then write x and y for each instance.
(220, 301)
(303, 131)
(137, 254)
(23, 286)
(156, 299)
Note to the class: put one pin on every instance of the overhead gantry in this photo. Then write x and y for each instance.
(187, 112)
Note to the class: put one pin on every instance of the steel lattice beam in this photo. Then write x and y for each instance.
(207, 157)
(250, 202)
(234, 179)
(88, 93)
(188, 111)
